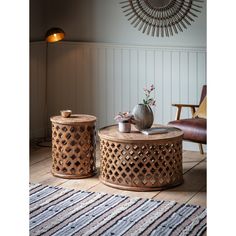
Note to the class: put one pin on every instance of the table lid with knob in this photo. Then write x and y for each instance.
(73, 119)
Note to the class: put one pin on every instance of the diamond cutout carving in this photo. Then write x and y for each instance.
(64, 142)
(68, 163)
(73, 148)
(144, 165)
(148, 165)
(72, 129)
(140, 164)
(77, 136)
(64, 129)
(68, 149)
(77, 163)
(123, 175)
(72, 143)
(68, 135)
(64, 169)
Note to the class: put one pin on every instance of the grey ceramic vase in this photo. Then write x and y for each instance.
(143, 116)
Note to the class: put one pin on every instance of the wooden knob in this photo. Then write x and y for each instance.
(66, 113)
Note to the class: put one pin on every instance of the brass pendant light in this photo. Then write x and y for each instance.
(54, 35)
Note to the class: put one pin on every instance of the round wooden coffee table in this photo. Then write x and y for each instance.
(74, 146)
(139, 162)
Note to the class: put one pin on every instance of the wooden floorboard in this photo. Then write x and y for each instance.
(48, 179)
(81, 184)
(194, 181)
(106, 189)
(193, 190)
(199, 198)
(38, 155)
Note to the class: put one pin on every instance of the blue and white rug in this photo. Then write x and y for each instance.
(59, 211)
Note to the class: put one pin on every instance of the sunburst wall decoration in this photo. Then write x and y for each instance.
(161, 17)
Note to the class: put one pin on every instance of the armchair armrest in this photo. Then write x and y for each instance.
(179, 108)
(185, 105)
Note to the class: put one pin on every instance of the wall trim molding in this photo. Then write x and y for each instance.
(128, 46)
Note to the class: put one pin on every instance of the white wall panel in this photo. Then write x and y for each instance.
(167, 87)
(184, 67)
(117, 81)
(125, 94)
(201, 71)
(159, 111)
(133, 77)
(110, 85)
(102, 87)
(103, 79)
(192, 84)
(142, 79)
(175, 79)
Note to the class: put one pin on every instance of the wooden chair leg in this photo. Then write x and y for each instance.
(178, 112)
(201, 148)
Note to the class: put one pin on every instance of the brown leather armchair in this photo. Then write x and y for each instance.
(195, 129)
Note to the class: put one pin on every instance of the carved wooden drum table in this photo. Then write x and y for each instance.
(74, 146)
(139, 162)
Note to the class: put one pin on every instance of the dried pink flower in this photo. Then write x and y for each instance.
(149, 101)
(122, 116)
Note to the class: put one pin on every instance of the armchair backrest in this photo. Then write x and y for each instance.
(203, 94)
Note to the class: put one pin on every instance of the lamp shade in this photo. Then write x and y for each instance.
(54, 35)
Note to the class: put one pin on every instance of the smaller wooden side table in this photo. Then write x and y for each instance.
(139, 162)
(74, 146)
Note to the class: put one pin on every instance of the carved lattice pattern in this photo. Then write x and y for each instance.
(141, 166)
(73, 150)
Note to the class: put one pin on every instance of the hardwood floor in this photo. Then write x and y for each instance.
(193, 190)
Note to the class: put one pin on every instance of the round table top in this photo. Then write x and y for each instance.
(73, 119)
(112, 133)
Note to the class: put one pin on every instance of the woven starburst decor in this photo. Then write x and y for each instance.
(161, 17)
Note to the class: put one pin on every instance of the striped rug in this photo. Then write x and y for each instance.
(59, 211)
